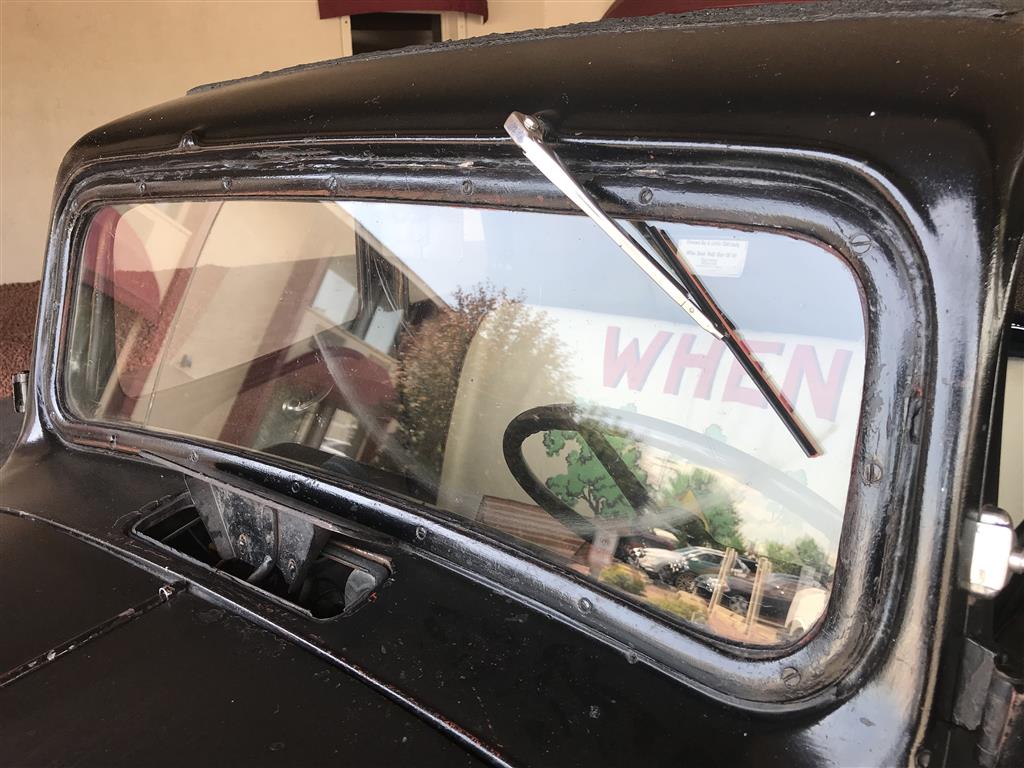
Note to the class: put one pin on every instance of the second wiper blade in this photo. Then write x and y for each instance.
(679, 281)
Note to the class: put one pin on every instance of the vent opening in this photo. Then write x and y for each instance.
(269, 549)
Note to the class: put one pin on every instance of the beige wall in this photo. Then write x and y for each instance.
(515, 15)
(66, 67)
(1011, 459)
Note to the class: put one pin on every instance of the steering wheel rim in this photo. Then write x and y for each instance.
(708, 452)
(565, 417)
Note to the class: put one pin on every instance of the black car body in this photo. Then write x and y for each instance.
(890, 136)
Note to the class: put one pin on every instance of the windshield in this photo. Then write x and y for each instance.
(508, 368)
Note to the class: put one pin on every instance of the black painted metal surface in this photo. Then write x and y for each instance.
(189, 684)
(858, 75)
(10, 426)
(53, 587)
(927, 102)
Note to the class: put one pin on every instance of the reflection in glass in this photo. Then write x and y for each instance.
(508, 368)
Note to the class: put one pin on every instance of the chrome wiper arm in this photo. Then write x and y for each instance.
(662, 243)
(681, 283)
(528, 133)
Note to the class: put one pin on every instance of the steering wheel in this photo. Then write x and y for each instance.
(707, 452)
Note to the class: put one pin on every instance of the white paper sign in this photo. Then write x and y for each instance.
(715, 258)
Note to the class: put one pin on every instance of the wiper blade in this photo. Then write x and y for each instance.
(662, 243)
(677, 279)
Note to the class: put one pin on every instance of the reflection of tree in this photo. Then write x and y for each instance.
(586, 477)
(805, 552)
(715, 521)
(431, 360)
(717, 505)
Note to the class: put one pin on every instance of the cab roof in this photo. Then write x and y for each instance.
(825, 74)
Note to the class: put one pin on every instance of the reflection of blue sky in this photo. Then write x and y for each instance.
(566, 261)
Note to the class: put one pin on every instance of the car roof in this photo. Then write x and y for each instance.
(722, 73)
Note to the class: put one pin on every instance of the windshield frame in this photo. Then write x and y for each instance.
(819, 197)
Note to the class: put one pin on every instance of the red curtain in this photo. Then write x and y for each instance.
(623, 8)
(330, 9)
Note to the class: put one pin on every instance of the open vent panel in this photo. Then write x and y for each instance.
(268, 548)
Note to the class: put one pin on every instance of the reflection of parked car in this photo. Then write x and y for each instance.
(680, 567)
(780, 590)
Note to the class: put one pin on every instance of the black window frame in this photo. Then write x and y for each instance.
(832, 200)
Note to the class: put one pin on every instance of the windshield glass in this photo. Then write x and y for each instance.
(509, 368)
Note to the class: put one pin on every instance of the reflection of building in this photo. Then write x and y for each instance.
(176, 276)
